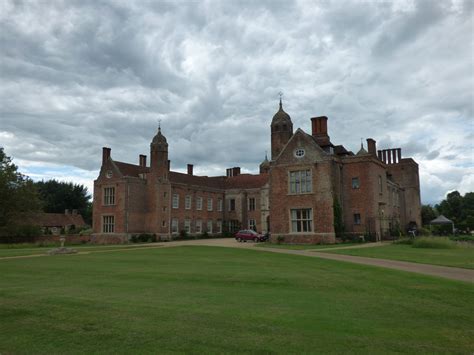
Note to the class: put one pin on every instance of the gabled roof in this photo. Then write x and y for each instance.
(127, 169)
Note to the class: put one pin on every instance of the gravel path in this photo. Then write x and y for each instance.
(426, 269)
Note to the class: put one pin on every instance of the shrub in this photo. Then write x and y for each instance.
(143, 238)
(280, 239)
(435, 243)
(463, 238)
(87, 231)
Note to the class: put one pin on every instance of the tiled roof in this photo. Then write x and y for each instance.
(242, 181)
(130, 169)
(216, 182)
(53, 219)
(246, 181)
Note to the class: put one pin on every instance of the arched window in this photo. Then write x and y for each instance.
(284, 127)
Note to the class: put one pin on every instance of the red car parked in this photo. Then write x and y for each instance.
(248, 234)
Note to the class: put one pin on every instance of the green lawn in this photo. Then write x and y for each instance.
(37, 250)
(222, 300)
(305, 246)
(459, 257)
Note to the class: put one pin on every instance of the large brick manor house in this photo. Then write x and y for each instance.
(293, 196)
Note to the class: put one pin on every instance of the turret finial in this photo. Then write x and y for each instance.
(281, 105)
(159, 126)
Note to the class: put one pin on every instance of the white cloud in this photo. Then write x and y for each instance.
(103, 74)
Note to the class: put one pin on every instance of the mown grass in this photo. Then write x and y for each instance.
(462, 257)
(38, 250)
(222, 300)
(305, 246)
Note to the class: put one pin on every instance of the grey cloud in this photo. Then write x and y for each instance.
(80, 75)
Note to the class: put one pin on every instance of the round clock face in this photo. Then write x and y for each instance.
(108, 174)
(299, 153)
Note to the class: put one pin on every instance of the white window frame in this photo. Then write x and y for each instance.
(108, 224)
(355, 183)
(209, 203)
(250, 206)
(300, 182)
(253, 224)
(199, 226)
(230, 204)
(187, 202)
(199, 203)
(175, 201)
(219, 204)
(209, 226)
(175, 226)
(187, 225)
(305, 219)
(219, 226)
(109, 196)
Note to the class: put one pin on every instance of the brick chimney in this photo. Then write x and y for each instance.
(319, 127)
(190, 169)
(105, 154)
(142, 160)
(66, 211)
(371, 146)
(233, 171)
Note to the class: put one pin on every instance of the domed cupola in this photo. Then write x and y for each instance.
(281, 117)
(265, 165)
(159, 153)
(362, 151)
(159, 141)
(281, 130)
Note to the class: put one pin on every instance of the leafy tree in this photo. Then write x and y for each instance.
(58, 196)
(18, 194)
(427, 214)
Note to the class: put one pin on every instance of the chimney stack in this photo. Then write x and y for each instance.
(319, 130)
(74, 212)
(105, 154)
(66, 211)
(142, 160)
(371, 147)
(190, 169)
(235, 171)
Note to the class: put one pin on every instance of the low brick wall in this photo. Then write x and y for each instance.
(109, 239)
(71, 238)
(305, 239)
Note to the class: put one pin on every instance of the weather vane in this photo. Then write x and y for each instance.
(281, 94)
(159, 124)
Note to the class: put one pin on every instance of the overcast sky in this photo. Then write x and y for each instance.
(80, 75)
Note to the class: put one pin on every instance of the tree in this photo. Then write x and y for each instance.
(451, 207)
(427, 214)
(18, 194)
(58, 196)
